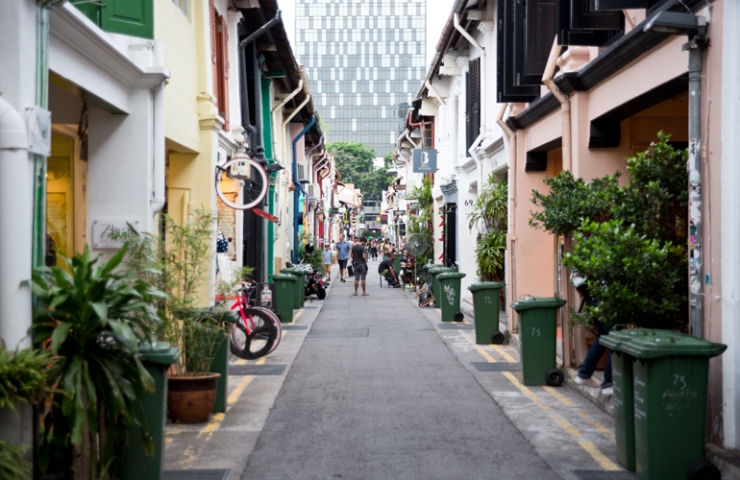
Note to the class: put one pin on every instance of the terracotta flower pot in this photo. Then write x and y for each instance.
(191, 399)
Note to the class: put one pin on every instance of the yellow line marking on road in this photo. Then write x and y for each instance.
(189, 456)
(504, 354)
(572, 431)
(297, 316)
(600, 458)
(241, 361)
(439, 310)
(599, 427)
(525, 390)
(561, 398)
(169, 440)
(480, 350)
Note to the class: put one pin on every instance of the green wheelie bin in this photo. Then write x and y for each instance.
(538, 334)
(299, 289)
(284, 296)
(670, 376)
(623, 400)
(486, 307)
(434, 272)
(449, 287)
(135, 464)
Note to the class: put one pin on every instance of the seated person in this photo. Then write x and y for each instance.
(407, 267)
(386, 269)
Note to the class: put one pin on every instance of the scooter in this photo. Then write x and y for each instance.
(314, 283)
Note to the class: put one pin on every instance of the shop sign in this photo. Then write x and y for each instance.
(425, 160)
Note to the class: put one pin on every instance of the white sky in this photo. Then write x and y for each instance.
(437, 13)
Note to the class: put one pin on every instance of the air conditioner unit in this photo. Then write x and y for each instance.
(314, 191)
(304, 174)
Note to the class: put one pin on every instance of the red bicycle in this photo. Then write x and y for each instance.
(257, 332)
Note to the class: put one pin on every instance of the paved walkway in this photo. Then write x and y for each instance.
(376, 387)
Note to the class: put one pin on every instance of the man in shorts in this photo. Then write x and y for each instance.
(359, 263)
(342, 257)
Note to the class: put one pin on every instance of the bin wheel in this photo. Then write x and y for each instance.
(498, 338)
(458, 317)
(554, 377)
(704, 470)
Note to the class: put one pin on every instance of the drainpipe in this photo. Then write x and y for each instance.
(298, 109)
(511, 271)
(298, 188)
(290, 96)
(696, 273)
(436, 95)
(262, 30)
(564, 103)
(16, 221)
(479, 140)
(158, 157)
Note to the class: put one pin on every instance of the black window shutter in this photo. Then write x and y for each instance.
(472, 103)
(582, 18)
(606, 5)
(569, 36)
(507, 89)
(536, 18)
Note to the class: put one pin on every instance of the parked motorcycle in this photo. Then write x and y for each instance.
(314, 283)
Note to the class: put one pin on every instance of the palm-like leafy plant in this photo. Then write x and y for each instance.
(93, 317)
(490, 215)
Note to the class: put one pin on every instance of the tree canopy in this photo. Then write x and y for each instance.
(354, 161)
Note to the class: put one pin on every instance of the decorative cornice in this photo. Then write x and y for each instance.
(70, 26)
(211, 122)
(462, 63)
(485, 27)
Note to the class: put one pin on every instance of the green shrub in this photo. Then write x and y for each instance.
(630, 242)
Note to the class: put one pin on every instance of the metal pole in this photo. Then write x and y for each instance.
(696, 273)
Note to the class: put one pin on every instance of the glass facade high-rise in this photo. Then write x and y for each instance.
(365, 61)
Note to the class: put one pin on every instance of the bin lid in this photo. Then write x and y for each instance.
(486, 286)
(618, 337)
(449, 275)
(284, 278)
(665, 343)
(528, 303)
(155, 351)
(440, 269)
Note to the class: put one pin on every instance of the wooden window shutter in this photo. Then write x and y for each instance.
(223, 67)
(214, 55)
(507, 89)
(472, 101)
(129, 17)
(603, 5)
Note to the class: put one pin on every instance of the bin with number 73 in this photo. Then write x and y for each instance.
(537, 334)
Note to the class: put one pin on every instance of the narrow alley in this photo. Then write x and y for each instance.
(376, 387)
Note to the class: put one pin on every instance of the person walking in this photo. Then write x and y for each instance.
(343, 248)
(327, 262)
(359, 263)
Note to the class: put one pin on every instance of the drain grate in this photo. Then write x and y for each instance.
(278, 369)
(309, 308)
(349, 333)
(195, 474)
(497, 367)
(602, 475)
(294, 327)
(456, 326)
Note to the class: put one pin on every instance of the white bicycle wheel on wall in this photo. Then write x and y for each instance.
(242, 168)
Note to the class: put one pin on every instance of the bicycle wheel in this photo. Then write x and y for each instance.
(243, 168)
(276, 321)
(257, 342)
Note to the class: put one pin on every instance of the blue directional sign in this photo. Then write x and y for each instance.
(425, 160)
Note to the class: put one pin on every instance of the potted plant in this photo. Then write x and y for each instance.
(489, 215)
(26, 377)
(178, 264)
(92, 316)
